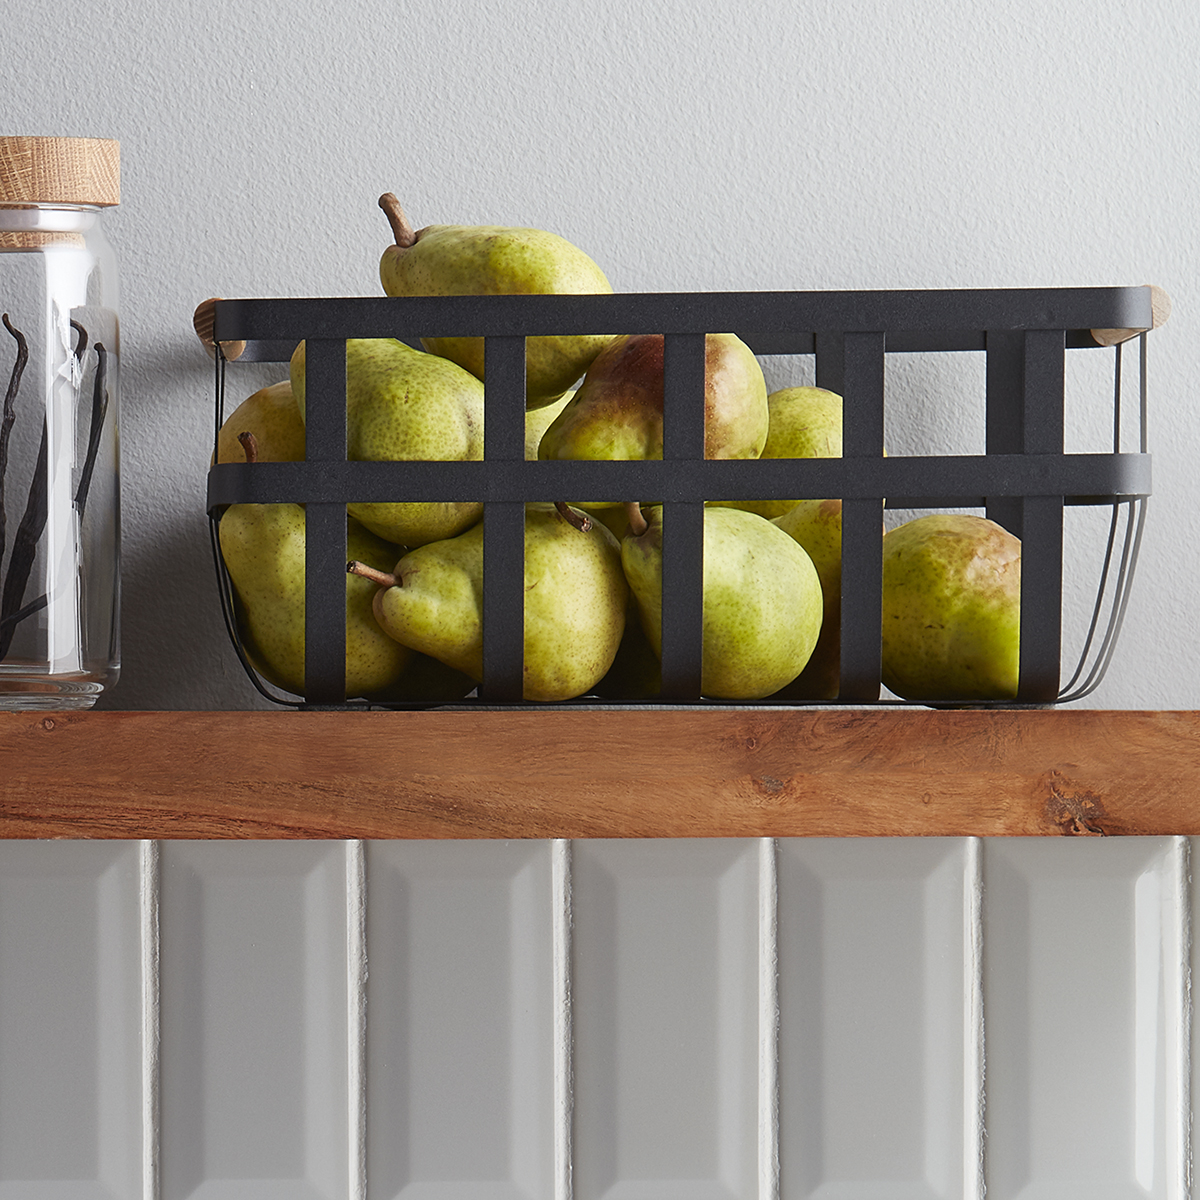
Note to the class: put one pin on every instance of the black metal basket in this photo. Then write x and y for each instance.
(1024, 480)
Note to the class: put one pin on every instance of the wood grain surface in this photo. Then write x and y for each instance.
(60, 170)
(581, 774)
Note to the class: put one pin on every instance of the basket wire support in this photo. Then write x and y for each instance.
(1143, 395)
(225, 590)
(1135, 524)
(1106, 565)
(325, 527)
(1135, 510)
(504, 522)
(683, 521)
(1123, 589)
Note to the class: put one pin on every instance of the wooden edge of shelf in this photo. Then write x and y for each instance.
(599, 774)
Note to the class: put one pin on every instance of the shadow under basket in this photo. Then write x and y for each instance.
(1024, 480)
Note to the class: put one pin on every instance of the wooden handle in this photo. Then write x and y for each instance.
(202, 320)
(1160, 310)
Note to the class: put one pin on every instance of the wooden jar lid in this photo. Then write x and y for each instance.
(54, 170)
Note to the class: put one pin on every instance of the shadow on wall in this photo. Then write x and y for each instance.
(176, 653)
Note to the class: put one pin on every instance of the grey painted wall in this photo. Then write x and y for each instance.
(685, 146)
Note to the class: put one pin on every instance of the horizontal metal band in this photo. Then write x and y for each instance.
(763, 344)
(904, 481)
(771, 322)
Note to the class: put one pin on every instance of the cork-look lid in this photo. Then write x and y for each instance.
(54, 170)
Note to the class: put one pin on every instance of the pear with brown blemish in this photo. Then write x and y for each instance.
(803, 422)
(951, 609)
(617, 411)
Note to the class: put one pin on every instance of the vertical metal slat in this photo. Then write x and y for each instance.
(325, 527)
(855, 363)
(504, 525)
(1025, 400)
(683, 520)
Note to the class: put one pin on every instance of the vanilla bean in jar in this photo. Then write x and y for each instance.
(59, 447)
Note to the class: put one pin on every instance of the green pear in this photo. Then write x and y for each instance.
(575, 603)
(816, 525)
(617, 412)
(803, 422)
(433, 601)
(951, 609)
(475, 260)
(616, 517)
(405, 405)
(271, 416)
(263, 549)
(636, 673)
(762, 601)
(575, 598)
(537, 421)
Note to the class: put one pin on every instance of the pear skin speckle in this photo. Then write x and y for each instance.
(617, 411)
(438, 607)
(477, 260)
(951, 609)
(762, 601)
(575, 602)
(817, 526)
(804, 422)
(263, 549)
(406, 405)
(270, 414)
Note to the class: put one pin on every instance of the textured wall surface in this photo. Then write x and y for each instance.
(870, 144)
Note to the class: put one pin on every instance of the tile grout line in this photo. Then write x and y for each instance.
(974, 1047)
(768, 1019)
(1179, 1015)
(560, 884)
(356, 1018)
(148, 908)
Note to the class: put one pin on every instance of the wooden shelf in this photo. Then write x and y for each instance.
(579, 773)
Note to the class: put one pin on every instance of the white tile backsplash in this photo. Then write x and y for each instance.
(70, 1021)
(459, 1034)
(665, 991)
(857, 1019)
(873, 955)
(1076, 1012)
(254, 1041)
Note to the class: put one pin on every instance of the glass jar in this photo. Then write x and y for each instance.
(59, 448)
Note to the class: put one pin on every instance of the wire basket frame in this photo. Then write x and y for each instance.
(1024, 480)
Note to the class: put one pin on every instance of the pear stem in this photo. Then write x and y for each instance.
(249, 444)
(637, 523)
(383, 578)
(401, 226)
(581, 521)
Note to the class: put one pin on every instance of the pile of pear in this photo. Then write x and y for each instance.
(414, 588)
(594, 606)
